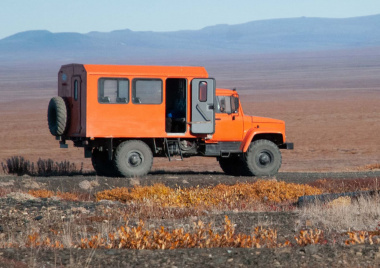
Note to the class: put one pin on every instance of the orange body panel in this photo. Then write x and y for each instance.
(130, 120)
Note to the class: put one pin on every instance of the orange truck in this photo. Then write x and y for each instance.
(123, 116)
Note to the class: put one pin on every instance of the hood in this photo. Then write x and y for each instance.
(256, 119)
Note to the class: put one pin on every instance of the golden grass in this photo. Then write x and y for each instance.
(202, 237)
(373, 166)
(221, 195)
(139, 237)
(48, 194)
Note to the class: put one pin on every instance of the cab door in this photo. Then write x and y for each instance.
(229, 119)
(202, 106)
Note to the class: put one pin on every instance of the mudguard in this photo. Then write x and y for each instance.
(251, 133)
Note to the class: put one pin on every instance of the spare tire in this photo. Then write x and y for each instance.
(57, 116)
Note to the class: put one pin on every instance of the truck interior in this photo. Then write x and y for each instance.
(176, 102)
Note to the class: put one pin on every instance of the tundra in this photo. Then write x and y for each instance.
(123, 116)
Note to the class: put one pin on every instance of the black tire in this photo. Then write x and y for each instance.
(102, 165)
(57, 116)
(263, 158)
(133, 158)
(233, 165)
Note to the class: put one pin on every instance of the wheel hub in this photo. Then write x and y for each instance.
(264, 158)
(135, 159)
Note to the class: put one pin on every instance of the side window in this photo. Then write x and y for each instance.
(147, 91)
(75, 89)
(202, 91)
(234, 104)
(113, 90)
(224, 104)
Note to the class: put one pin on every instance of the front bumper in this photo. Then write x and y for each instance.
(287, 146)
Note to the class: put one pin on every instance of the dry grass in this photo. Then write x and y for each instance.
(139, 237)
(108, 227)
(135, 224)
(202, 236)
(242, 196)
(360, 214)
(344, 185)
(61, 195)
(375, 166)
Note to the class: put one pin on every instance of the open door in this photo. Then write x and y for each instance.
(202, 106)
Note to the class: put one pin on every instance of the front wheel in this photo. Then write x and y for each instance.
(233, 165)
(102, 165)
(133, 158)
(263, 158)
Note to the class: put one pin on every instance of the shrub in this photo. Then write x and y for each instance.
(17, 165)
(45, 167)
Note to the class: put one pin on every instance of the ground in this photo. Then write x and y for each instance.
(329, 101)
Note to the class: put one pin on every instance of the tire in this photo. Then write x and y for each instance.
(233, 165)
(133, 158)
(57, 116)
(263, 158)
(102, 165)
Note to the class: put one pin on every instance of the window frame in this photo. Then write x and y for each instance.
(229, 102)
(117, 79)
(203, 90)
(76, 87)
(133, 90)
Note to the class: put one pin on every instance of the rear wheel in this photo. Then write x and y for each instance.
(102, 165)
(133, 158)
(263, 158)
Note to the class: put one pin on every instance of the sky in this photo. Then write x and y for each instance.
(84, 16)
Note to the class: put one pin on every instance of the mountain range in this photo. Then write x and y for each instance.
(256, 37)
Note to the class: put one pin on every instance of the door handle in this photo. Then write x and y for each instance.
(202, 113)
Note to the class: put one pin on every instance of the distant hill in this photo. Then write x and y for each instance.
(256, 37)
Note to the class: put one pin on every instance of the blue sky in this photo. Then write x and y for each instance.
(163, 15)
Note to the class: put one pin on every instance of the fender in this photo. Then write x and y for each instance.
(251, 133)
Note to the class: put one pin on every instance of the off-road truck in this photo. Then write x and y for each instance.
(123, 116)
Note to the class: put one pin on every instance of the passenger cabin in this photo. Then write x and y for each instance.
(137, 101)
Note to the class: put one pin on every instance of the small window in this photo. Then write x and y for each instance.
(147, 91)
(75, 89)
(203, 91)
(113, 90)
(234, 104)
(224, 104)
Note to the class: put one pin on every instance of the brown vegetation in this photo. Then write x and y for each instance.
(220, 196)
(18, 165)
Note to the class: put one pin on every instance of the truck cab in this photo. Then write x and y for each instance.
(124, 116)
